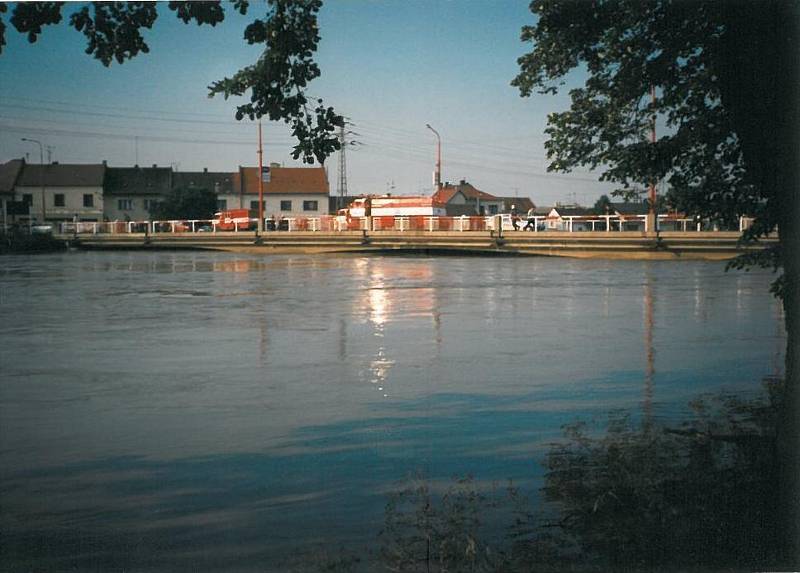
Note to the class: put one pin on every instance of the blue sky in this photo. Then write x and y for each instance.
(390, 66)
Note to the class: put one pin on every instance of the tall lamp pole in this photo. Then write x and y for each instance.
(652, 214)
(438, 176)
(260, 182)
(41, 174)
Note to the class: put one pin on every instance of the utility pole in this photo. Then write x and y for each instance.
(41, 173)
(342, 187)
(437, 177)
(260, 182)
(652, 218)
(343, 145)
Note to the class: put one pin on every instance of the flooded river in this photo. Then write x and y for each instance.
(211, 411)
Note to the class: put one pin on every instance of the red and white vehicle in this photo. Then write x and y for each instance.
(393, 206)
(235, 220)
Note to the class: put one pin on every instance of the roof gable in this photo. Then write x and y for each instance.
(523, 204)
(283, 181)
(446, 194)
(138, 180)
(469, 191)
(572, 212)
(216, 181)
(9, 172)
(62, 175)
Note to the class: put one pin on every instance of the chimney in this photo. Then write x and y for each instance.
(155, 165)
(205, 169)
(462, 182)
(105, 163)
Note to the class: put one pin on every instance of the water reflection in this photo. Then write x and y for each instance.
(649, 352)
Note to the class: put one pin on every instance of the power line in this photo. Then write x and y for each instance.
(206, 132)
(93, 105)
(119, 137)
(120, 115)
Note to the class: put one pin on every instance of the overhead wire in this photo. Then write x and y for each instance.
(378, 139)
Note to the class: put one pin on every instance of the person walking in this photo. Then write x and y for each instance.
(514, 217)
(531, 224)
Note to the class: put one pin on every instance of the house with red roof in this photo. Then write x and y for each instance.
(290, 192)
(465, 199)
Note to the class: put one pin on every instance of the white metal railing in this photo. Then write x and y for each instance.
(326, 223)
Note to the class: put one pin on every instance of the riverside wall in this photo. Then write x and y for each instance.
(709, 245)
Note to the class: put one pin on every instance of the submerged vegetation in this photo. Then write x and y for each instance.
(639, 496)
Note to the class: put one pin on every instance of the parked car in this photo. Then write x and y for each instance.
(45, 229)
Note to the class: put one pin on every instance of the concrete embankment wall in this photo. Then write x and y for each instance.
(626, 245)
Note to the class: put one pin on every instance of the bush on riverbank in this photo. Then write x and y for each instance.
(22, 241)
(642, 496)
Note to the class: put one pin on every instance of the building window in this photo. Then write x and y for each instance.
(254, 205)
(58, 200)
(27, 198)
(125, 204)
(493, 209)
(310, 206)
(222, 204)
(150, 204)
(88, 200)
(286, 205)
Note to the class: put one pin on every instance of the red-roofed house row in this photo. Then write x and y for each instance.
(96, 192)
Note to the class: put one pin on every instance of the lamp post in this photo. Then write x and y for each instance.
(41, 174)
(438, 175)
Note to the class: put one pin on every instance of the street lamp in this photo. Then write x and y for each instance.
(41, 173)
(438, 175)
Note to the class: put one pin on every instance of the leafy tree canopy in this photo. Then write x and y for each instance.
(723, 78)
(710, 71)
(602, 205)
(276, 83)
(186, 203)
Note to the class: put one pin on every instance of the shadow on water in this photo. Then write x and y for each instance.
(637, 496)
(634, 493)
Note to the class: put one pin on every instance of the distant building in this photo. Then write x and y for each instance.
(560, 218)
(131, 193)
(464, 198)
(523, 204)
(10, 207)
(70, 190)
(291, 191)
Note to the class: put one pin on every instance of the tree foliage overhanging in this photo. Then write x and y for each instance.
(717, 69)
(276, 83)
(725, 75)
